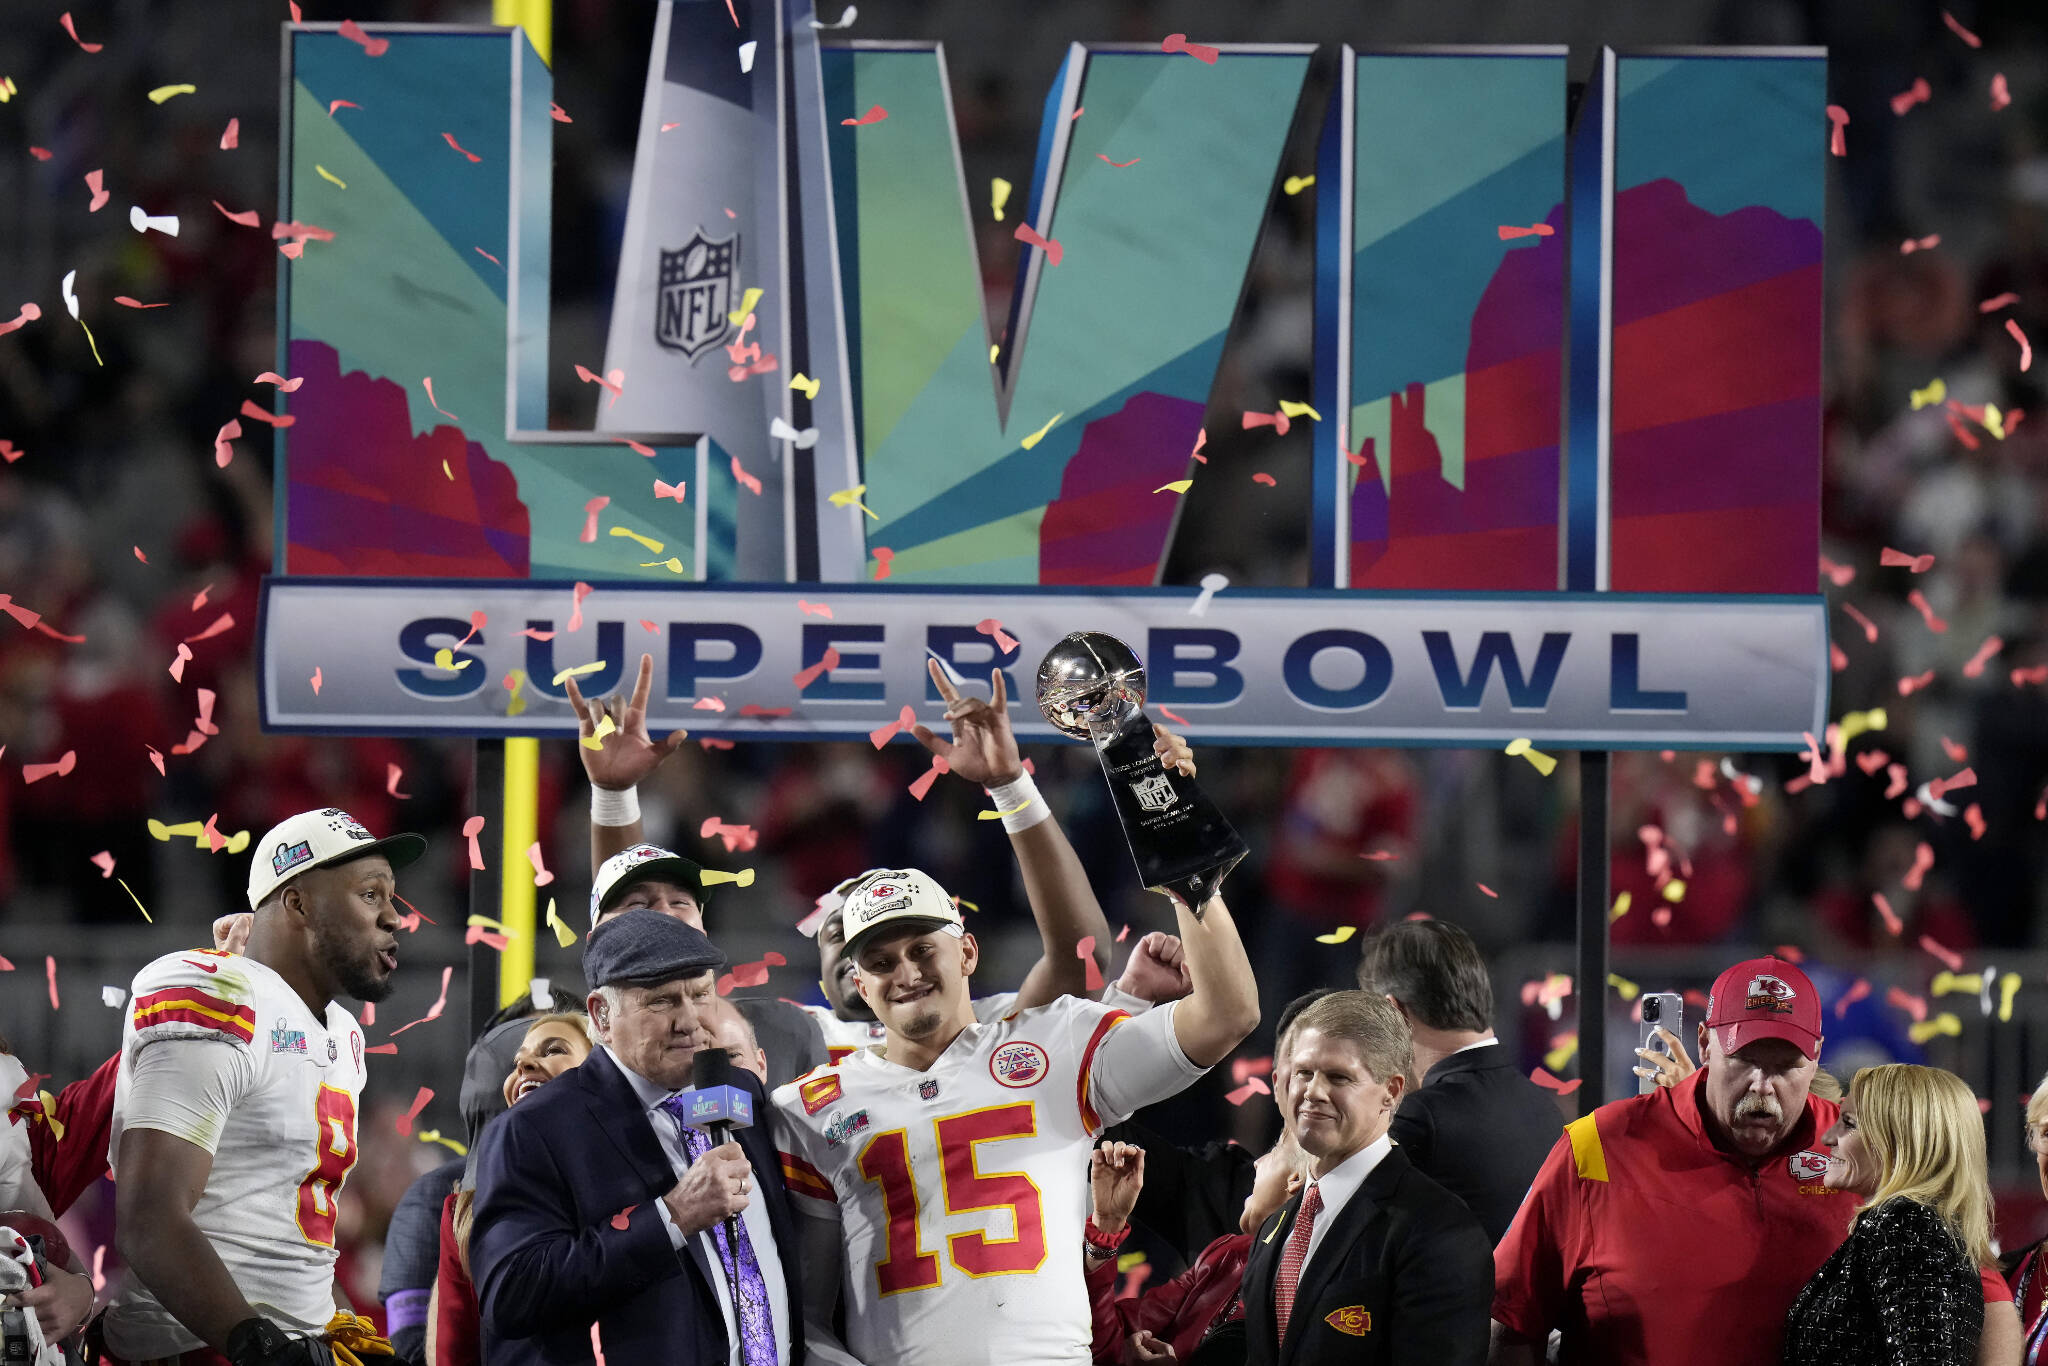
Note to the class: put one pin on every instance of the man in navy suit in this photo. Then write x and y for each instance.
(596, 1207)
(1372, 1262)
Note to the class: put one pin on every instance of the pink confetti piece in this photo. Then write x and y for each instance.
(1973, 816)
(1858, 989)
(278, 420)
(1054, 252)
(1543, 1077)
(2026, 348)
(1171, 715)
(315, 680)
(667, 490)
(471, 828)
(1123, 934)
(126, 302)
(35, 773)
(428, 382)
(99, 194)
(11, 453)
(221, 624)
(433, 1011)
(1917, 93)
(49, 963)
(215, 840)
(1252, 1086)
(72, 29)
(1957, 753)
(738, 838)
(590, 511)
(223, 448)
(814, 609)
(1941, 787)
(177, 669)
(21, 614)
(1509, 232)
(372, 47)
(739, 472)
(156, 757)
(1279, 422)
(765, 713)
(1910, 685)
(390, 1048)
(558, 114)
(204, 723)
(1948, 956)
(576, 597)
(449, 138)
(248, 218)
(1913, 244)
(500, 265)
(1923, 860)
(1919, 601)
(1263, 478)
(1178, 42)
(1985, 654)
(2001, 93)
(290, 386)
(41, 153)
(885, 560)
(1005, 642)
(613, 384)
(29, 313)
(708, 704)
(104, 861)
(1871, 760)
(803, 678)
(1488, 890)
(231, 136)
(541, 876)
(1899, 559)
(392, 774)
(1998, 301)
(1085, 951)
(1120, 165)
(1839, 117)
(1969, 39)
(419, 1103)
(336, 106)
(649, 627)
(1869, 626)
(875, 114)
(881, 735)
(925, 780)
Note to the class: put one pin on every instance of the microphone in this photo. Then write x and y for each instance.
(716, 1107)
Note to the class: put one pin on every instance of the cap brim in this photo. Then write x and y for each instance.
(399, 851)
(678, 870)
(1742, 1033)
(921, 923)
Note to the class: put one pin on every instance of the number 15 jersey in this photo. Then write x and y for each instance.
(959, 1193)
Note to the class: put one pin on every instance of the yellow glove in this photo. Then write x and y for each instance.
(352, 1337)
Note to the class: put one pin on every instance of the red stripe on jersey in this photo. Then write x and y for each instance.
(803, 1179)
(1089, 1119)
(199, 998)
(172, 1013)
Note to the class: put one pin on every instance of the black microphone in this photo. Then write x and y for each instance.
(716, 1108)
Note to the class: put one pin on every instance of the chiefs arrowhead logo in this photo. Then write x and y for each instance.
(1354, 1320)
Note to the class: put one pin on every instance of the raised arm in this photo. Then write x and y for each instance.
(984, 750)
(1223, 1008)
(621, 760)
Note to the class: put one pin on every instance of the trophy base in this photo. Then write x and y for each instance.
(1179, 840)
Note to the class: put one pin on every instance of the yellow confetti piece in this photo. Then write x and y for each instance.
(7, 90)
(595, 740)
(434, 1136)
(145, 910)
(1338, 935)
(998, 815)
(517, 679)
(564, 936)
(992, 354)
(444, 658)
(804, 385)
(852, 498)
(1629, 990)
(1032, 440)
(1177, 486)
(1932, 394)
(445, 470)
(1293, 409)
(330, 177)
(89, 341)
(1567, 1049)
(711, 877)
(487, 923)
(578, 671)
(1674, 890)
(165, 92)
(1621, 905)
(1857, 723)
(1949, 983)
(969, 905)
(1994, 421)
(652, 545)
(1295, 184)
(166, 832)
(50, 1116)
(999, 195)
(1542, 762)
(1944, 1023)
(671, 564)
(747, 302)
(2008, 987)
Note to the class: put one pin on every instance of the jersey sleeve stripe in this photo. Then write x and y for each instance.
(1587, 1153)
(1089, 1119)
(803, 1179)
(189, 1005)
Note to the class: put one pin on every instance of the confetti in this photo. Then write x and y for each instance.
(35, 773)
(1342, 934)
(104, 860)
(804, 385)
(1955, 981)
(1295, 184)
(1178, 42)
(999, 195)
(231, 136)
(1509, 233)
(1120, 165)
(449, 138)
(2008, 987)
(1923, 860)
(1944, 1023)
(1858, 989)
(1920, 604)
(1085, 951)
(220, 625)
(1253, 1086)
(1969, 39)
(471, 828)
(167, 92)
(336, 106)
(1549, 1082)
(167, 224)
(1620, 907)
(750, 482)
(264, 415)
(881, 735)
(1910, 685)
(1947, 955)
(440, 1001)
(1839, 117)
(177, 668)
(1177, 486)
(21, 614)
(1998, 301)
(778, 430)
(1542, 762)
(875, 114)
(11, 453)
(803, 678)
(1212, 584)
(1869, 626)
(1279, 422)
(738, 839)
(29, 313)
(1054, 252)
(1263, 478)
(844, 21)
(766, 713)
(71, 29)
(1488, 890)
(885, 560)
(924, 781)
(1985, 654)
(751, 297)
(713, 877)
(49, 963)
(590, 511)
(1005, 642)
(248, 218)
(2026, 348)
(372, 47)
(666, 490)
(746, 65)
(541, 876)
(2001, 93)
(428, 383)
(1899, 559)
(564, 936)
(99, 194)
(576, 597)
(1913, 244)
(1918, 93)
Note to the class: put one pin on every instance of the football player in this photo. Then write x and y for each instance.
(943, 1176)
(234, 1119)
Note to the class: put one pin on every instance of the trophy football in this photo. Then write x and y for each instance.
(1091, 686)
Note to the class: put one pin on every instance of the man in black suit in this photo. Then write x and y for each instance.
(596, 1207)
(1476, 1125)
(1372, 1262)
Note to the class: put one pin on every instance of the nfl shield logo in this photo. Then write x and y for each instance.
(1155, 793)
(696, 294)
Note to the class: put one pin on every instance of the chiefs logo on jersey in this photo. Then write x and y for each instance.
(1019, 1064)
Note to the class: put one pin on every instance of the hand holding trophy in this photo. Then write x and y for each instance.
(1091, 686)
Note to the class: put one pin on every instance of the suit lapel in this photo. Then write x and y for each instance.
(1260, 1269)
(609, 1095)
(1350, 1223)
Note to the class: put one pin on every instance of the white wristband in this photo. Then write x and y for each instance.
(614, 807)
(1019, 803)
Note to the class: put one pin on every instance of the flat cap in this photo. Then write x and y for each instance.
(646, 946)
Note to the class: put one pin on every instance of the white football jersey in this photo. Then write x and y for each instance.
(959, 1194)
(844, 1036)
(276, 1106)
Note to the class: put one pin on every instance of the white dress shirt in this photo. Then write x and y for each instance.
(1338, 1185)
(755, 1218)
(1487, 1042)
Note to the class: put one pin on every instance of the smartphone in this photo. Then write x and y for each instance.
(1665, 1008)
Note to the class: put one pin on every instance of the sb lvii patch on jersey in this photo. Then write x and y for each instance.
(845, 1127)
(285, 1039)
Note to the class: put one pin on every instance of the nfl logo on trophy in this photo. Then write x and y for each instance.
(696, 294)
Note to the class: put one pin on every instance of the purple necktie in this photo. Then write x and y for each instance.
(743, 1279)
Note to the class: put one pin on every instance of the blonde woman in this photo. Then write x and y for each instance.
(2030, 1269)
(1905, 1288)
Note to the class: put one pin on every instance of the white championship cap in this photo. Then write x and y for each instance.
(314, 839)
(897, 896)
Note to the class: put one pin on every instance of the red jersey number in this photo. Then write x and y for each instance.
(336, 1112)
(886, 1162)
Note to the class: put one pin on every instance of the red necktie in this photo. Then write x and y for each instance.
(1291, 1258)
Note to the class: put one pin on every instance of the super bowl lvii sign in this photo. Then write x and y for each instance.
(1567, 386)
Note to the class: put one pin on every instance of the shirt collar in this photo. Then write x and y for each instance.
(1684, 1099)
(651, 1096)
(1488, 1042)
(1342, 1181)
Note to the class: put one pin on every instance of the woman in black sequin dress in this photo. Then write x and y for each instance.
(1904, 1289)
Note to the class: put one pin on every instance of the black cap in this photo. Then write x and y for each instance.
(646, 946)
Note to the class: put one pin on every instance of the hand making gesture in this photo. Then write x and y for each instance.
(982, 749)
(627, 754)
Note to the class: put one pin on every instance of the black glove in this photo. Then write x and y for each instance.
(259, 1342)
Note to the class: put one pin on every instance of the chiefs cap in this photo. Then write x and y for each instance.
(643, 863)
(902, 897)
(1765, 998)
(315, 839)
